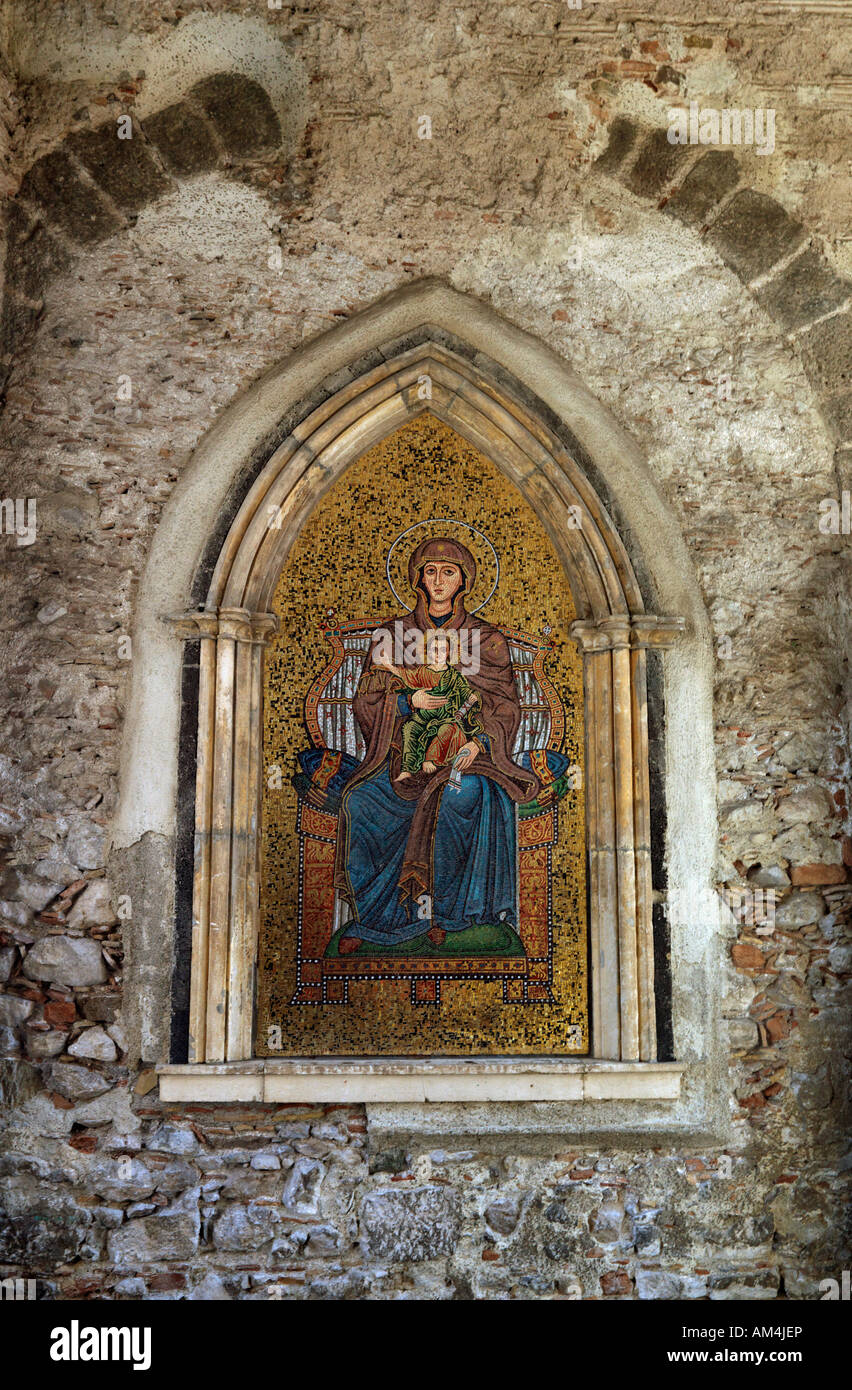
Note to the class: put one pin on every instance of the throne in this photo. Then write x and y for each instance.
(337, 748)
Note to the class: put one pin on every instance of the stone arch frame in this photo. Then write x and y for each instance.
(613, 629)
(183, 567)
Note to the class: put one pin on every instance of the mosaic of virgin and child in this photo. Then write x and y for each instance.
(427, 841)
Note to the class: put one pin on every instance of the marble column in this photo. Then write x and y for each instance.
(226, 886)
(618, 829)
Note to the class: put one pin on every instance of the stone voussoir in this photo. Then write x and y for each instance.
(753, 232)
(183, 138)
(124, 168)
(705, 185)
(241, 112)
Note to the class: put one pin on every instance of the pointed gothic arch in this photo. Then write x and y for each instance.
(614, 632)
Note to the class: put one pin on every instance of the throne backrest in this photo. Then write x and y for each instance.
(328, 709)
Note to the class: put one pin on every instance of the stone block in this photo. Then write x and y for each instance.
(802, 1283)
(171, 1234)
(92, 908)
(502, 1216)
(211, 1289)
(656, 165)
(322, 1242)
(246, 1227)
(125, 169)
(35, 892)
(419, 1224)
(77, 1083)
(658, 1283)
(807, 289)
(40, 1225)
(54, 184)
(802, 751)
(241, 112)
(807, 804)
(95, 1044)
(123, 1179)
(769, 876)
(266, 1162)
(799, 910)
(753, 232)
(607, 1222)
(302, 1188)
(108, 1217)
(130, 1288)
(183, 139)
(172, 1139)
(59, 871)
(66, 960)
(40, 1045)
(391, 1161)
(8, 956)
(647, 1242)
(827, 352)
(837, 412)
(743, 1285)
(706, 184)
(100, 1005)
(342, 1288)
(743, 1034)
(616, 1283)
(622, 137)
(176, 1175)
(33, 257)
(13, 1011)
(16, 322)
(85, 844)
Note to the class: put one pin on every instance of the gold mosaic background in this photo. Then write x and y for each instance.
(423, 470)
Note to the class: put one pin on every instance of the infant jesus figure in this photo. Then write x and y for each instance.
(431, 737)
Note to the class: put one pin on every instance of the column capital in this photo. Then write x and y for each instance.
(626, 630)
(235, 624)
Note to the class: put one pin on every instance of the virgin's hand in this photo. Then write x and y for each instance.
(421, 699)
(465, 756)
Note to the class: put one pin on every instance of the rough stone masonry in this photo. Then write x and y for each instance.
(702, 294)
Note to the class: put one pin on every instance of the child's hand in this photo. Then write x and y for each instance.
(422, 699)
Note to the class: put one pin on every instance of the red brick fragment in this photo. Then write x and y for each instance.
(616, 1283)
(747, 956)
(84, 1143)
(60, 1011)
(777, 1027)
(812, 875)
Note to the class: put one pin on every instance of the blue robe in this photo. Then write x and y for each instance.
(474, 859)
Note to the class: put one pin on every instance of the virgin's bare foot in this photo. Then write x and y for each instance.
(403, 777)
(437, 935)
(348, 944)
(430, 767)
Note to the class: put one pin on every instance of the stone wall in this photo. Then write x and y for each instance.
(700, 294)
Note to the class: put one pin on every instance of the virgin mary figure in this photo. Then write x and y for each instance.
(415, 856)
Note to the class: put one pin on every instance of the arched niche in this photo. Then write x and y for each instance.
(213, 562)
(614, 631)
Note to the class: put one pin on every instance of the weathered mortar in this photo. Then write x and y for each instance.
(502, 203)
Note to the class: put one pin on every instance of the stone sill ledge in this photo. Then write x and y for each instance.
(328, 1081)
